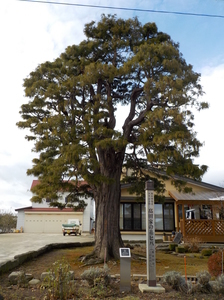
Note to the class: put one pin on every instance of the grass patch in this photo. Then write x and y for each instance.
(164, 262)
(170, 262)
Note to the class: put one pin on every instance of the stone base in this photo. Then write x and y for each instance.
(158, 289)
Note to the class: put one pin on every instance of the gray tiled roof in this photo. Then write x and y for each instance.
(208, 196)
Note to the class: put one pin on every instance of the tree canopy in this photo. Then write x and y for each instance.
(7, 221)
(74, 104)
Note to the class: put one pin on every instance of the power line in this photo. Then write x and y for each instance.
(127, 9)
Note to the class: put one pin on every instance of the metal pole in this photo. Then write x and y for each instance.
(185, 267)
(222, 261)
(150, 233)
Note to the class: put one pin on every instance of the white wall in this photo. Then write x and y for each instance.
(20, 219)
(88, 215)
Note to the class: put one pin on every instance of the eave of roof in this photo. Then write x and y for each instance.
(189, 180)
(196, 197)
(22, 208)
(30, 209)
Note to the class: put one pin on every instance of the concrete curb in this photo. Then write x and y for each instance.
(21, 258)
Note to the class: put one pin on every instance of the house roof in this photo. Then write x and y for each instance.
(34, 183)
(197, 197)
(189, 180)
(50, 209)
(22, 208)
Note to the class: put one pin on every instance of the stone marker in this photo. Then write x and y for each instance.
(151, 285)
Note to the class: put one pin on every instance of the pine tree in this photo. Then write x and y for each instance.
(71, 115)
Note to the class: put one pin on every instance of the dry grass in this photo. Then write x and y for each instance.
(164, 262)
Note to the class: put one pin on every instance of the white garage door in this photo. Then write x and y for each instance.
(47, 223)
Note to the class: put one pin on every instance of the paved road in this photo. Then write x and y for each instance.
(12, 244)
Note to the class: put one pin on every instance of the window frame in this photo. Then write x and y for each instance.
(132, 215)
(143, 203)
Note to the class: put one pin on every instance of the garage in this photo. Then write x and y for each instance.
(48, 220)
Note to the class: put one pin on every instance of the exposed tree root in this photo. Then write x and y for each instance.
(91, 259)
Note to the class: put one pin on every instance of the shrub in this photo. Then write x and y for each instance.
(186, 247)
(203, 277)
(203, 285)
(172, 247)
(95, 276)
(215, 264)
(59, 281)
(180, 249)
(206, 252)
(176, 281)
(193, 244)
(218, 286)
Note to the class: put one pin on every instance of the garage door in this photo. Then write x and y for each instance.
(47, 223)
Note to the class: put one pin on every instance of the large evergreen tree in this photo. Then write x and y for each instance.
(72, 115)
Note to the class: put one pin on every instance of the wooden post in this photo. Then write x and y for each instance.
(183, 215)
(213, 228)
(185, 267)
(177, 217)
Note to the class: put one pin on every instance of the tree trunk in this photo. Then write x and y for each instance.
(107, 200)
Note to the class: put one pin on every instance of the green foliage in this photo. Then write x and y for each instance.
(73, 100)
(59, 282)
(215, 264)
(22, 280)
(172, 247)
(7, 221)
(180, 249)
(206, 252)
(97, 276)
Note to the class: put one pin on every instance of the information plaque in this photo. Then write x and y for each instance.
(125, 269)
(125, 252)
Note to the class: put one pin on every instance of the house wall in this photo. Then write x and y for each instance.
(45, 204)
(48, 222)
(88, 215)
(51, 222)
(20, 220)
(140, 236)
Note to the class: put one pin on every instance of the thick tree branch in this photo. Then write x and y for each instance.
(136, 92)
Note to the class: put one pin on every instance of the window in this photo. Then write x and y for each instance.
(164, 216)
(168, 216)
(132, 216)
(158, 208)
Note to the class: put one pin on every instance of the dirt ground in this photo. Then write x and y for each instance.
(81, 289)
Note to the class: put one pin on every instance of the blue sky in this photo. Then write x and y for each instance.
(32, 33)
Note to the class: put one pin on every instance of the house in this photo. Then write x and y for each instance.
(41, 218)
(205, 201)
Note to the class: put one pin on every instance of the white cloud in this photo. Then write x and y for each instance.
(209, 124)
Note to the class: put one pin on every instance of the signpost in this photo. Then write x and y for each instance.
(150, 234)
(151, 285)
(125, 269)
